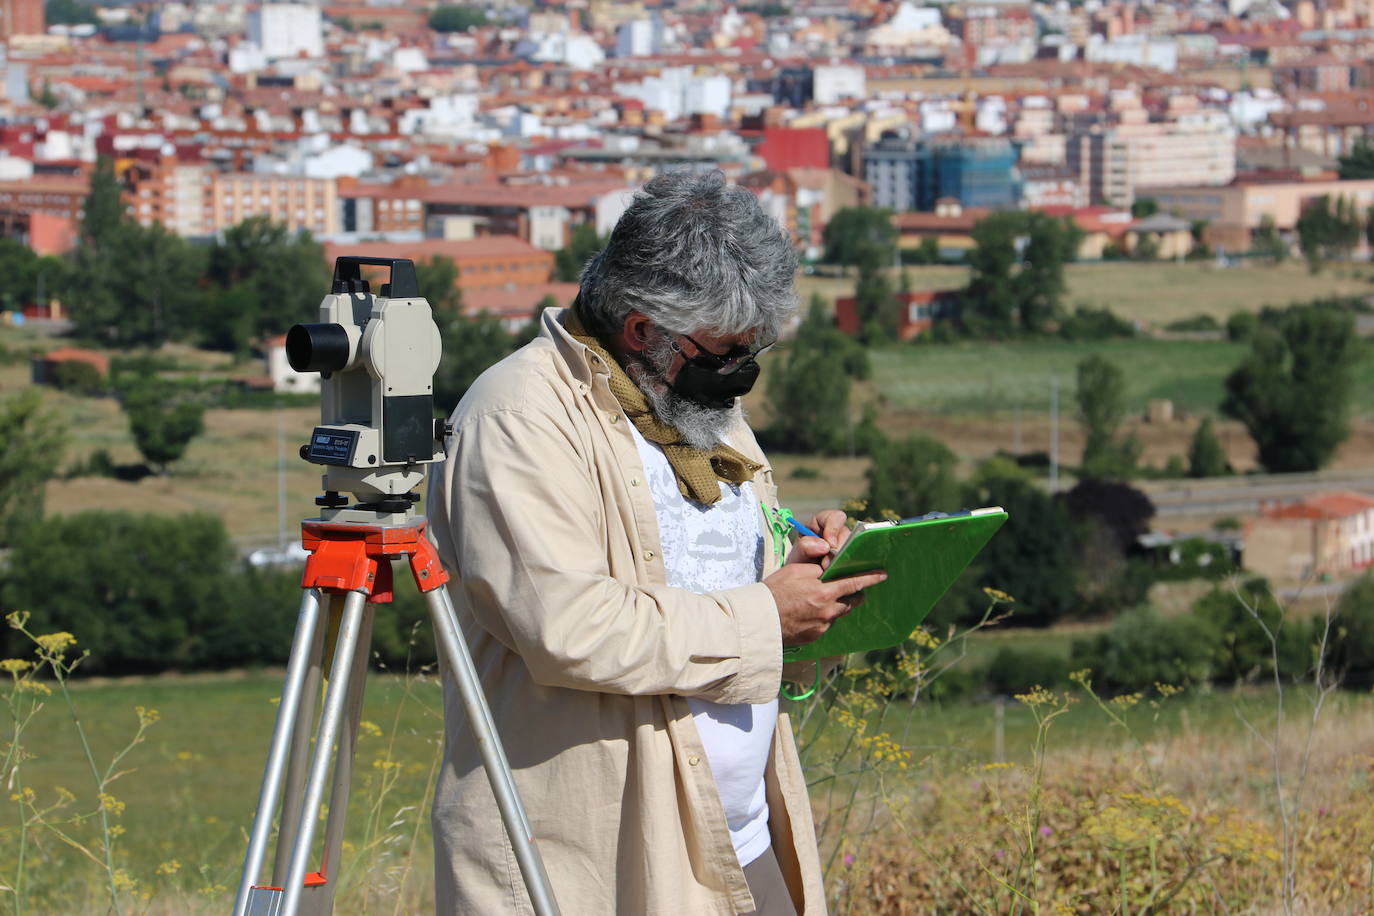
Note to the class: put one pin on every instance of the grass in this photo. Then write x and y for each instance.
(191, 787)
(1159, 293)
(991, 377)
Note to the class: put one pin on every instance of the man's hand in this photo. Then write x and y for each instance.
(806, 605)
(833, 527)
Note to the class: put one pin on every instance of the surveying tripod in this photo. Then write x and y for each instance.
(376, 356)
(348, 571)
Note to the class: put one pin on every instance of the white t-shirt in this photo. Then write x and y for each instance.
(707, 549)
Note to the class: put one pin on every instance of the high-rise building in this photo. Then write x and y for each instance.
(287, 30)
(21, 17)
(913, 174)
(1114, 163)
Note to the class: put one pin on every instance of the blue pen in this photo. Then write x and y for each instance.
(805, 531)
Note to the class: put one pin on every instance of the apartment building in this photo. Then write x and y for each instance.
(1115, 163)
(1234, 212)
(915, 174)
(55, 196)
(21, 17)
(196, 200)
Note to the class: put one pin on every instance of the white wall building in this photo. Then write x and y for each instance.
(287, 30)
(1138, 50)
(834, 83)
(639, 38)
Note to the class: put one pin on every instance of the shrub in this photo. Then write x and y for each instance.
(1014, 671)
(1143, 649)
(1195, 323)
(1351, 649)
(1239, 647)
(1094, 324)
(78, 378)
(1241, 325)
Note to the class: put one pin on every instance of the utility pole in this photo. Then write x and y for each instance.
(1054, 434)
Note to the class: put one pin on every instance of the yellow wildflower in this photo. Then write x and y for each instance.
(15, 665)
(55, 643)
(170, 867)
(1038, 696)
(996, 594)
(146, 716)
(17, 619)
(925, 639)
(371, 729)
(37, 687)
(111, 804)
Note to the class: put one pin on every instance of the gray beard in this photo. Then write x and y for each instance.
(701, 427)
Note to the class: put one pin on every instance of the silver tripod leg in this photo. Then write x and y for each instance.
(307, 627)
(454, 652)
(331, 718)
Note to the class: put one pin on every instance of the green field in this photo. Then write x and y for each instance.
(1157, 293)
(191, 786)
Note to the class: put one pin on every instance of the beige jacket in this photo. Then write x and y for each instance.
(542, 517)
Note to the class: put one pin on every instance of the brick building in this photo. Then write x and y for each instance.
(491, 263)
(21, 17)
(919, 311)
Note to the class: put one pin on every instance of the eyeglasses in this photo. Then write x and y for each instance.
(721, 363)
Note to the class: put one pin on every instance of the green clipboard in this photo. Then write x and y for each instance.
(922, 556)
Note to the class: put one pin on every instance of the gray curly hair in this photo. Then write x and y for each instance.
(693, 253)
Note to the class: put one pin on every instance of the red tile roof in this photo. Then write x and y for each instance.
(1335, 505)
(484, 247)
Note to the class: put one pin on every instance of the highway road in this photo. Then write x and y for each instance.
(1242, 495)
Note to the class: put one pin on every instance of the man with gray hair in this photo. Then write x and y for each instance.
(604, 511)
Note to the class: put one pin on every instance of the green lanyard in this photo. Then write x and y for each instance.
(780, 526)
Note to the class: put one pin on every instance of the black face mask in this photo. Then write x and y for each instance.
(715, 381)
(698, 380)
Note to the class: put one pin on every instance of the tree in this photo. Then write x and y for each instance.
(1292, 391)
(25, 277)
(582, 245)
(471, 344)
(1327, 230)
(1051, 243)
(69, 12)
(809, 385)
(437, 278)
(103, 211)
(991, 299)
(162, 420)
(1206, 458)
(858, 235)
(1124, 511)
(450, 18)
(130, 285)
(1142, 207)
(1267, 243)
(1034, 557)
(878, 306)
(268, 279)
(1359, 162)
(1101, 409)
(31, 445)
(142, 592)
(1016, 276)
(912, 476)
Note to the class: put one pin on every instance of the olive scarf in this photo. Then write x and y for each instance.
(697, 470)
